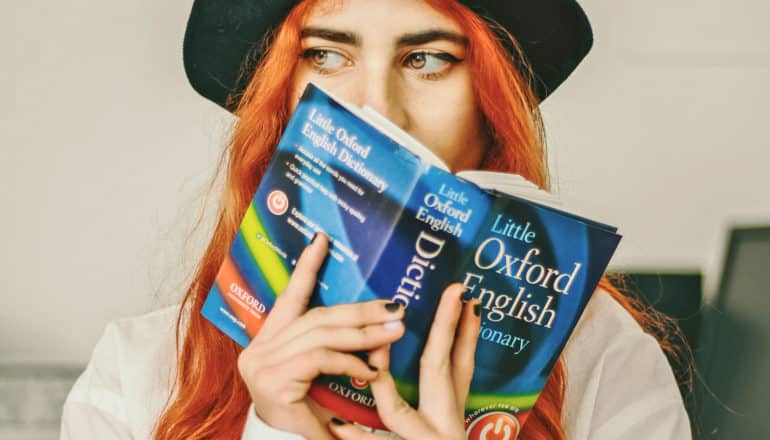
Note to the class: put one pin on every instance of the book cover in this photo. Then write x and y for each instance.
(402, 229)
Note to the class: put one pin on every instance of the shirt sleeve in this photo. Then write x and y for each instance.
(94, 407)
(638, 396)
(256, 429)
(97, 405)
(620, 385)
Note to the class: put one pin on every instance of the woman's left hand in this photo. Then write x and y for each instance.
(446, 369)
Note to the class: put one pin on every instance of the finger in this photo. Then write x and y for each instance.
(435, 363)
(380, 357)
(334, 338)
(394, 411)
(344, 430)
(311, 426)
(464, 351)
(289, 384)
(307, 366)
(293, 301)
(343, 315)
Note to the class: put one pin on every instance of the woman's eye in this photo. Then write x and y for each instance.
(427, 63)
(325, 61)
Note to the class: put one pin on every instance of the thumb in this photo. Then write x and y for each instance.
(293, 301)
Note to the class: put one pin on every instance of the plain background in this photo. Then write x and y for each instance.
(106, 152)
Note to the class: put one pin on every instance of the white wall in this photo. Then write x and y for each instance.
(106, 152)
(662, 131)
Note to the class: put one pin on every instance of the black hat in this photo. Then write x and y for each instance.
(554, 36)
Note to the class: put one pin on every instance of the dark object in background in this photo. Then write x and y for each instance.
(676, 294)
(735, 355)
(679, 296)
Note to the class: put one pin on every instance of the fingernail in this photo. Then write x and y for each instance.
(393, 307)
(393, 325)
(477, 309)
(314, 237)
(372, 368)
(364, 356)
(338, 422)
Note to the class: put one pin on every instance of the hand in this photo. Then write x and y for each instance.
(294, 346)
(446, 369)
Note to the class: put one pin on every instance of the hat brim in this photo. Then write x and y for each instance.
(554, 36)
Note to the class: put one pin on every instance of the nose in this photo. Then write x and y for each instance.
(381, 89)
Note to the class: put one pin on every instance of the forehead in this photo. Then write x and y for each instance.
(382, 16)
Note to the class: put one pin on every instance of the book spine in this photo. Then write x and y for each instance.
(420, 259)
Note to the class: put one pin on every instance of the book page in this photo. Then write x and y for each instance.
(511, 184)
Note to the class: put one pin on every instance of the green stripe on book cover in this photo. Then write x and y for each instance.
(408, 391)
(270, 264)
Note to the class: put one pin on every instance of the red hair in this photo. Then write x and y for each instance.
(209, 399)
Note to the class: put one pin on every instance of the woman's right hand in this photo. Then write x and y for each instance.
(295, 345)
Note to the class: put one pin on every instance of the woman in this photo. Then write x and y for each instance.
(462, 87)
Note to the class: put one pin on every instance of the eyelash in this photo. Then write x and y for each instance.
(451, 59)
(309, 53)
(444, 56)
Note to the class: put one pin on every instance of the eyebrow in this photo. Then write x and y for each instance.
(431, 35)
(410, 39)
(350, 38)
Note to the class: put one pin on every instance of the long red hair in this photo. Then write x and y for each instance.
(209, 399)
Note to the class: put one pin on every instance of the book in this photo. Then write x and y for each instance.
(402, 227)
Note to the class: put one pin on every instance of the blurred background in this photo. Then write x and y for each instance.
(106, 155)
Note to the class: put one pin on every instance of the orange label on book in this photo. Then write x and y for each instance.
(494, 426)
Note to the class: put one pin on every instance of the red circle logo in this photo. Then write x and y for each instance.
(495, 425)
(277, 202)
(358, 383)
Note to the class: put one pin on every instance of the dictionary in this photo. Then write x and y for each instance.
(402, 227)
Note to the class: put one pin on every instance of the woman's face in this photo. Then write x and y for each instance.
(403, 59)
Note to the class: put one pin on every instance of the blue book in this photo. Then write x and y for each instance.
(402, 227)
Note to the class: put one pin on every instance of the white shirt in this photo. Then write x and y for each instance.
(619, 383)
